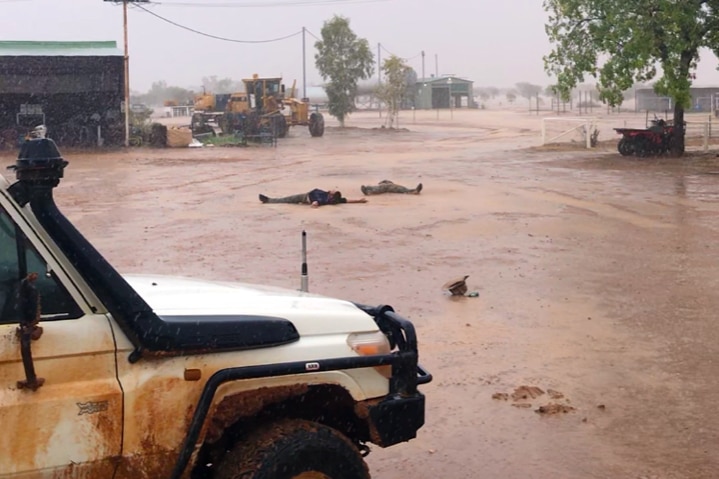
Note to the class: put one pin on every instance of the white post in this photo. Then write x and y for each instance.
(589, 133)
(706, 136)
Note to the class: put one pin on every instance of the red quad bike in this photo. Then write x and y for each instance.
(659, 139)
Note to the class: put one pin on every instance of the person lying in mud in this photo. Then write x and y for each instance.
(314, 198)
(387, 186)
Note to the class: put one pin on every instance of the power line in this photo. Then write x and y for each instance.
(276, 3)
(316, 37)
(385, 50)
(401, 58)
(137, 5)
(412, 58)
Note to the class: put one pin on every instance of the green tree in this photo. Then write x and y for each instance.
(550, 90)
(623, 42)
(160, 92)
(212, 84)
(410, 81)
(528, 90)
(483, 93)
(394, 89)
(344, 60)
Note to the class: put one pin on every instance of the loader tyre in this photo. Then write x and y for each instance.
(280, 125)
(293, 449)
(317, 124)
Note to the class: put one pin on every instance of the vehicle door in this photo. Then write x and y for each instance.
(67, 423)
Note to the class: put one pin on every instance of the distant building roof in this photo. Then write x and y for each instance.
(316, 94)
(443, 79)
(693, 87)
(59, 49)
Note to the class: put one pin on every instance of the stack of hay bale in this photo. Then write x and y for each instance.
(178, 137)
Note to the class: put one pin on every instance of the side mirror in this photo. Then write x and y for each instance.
(27, 307)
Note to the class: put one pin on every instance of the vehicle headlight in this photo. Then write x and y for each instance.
(371, 344)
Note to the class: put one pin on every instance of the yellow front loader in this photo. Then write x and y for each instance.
(264, 105)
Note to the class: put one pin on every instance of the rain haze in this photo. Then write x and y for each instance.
(558, 264)
(491, 43)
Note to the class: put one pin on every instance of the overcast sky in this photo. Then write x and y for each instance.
(493, 43)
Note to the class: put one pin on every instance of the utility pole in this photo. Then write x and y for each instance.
(127, 64)
(379, 78)
(379, 65)
(436, 66)
(304, 68)
(127, 76)
(422, 64)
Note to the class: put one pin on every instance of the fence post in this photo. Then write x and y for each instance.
(544, 132)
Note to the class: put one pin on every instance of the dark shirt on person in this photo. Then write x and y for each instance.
(323, 197)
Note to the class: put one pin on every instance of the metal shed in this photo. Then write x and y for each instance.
(435, 92)
(76, 89)
(704, 99)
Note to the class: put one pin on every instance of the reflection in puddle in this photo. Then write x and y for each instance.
(699, 187)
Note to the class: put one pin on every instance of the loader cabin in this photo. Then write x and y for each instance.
(239, 103)
(265, 94)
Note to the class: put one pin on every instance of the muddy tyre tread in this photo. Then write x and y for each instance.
(280, 126)
(317, 125)
(265, 451)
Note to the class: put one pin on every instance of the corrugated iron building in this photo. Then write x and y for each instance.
(435, 92)
(76, 89)
(704, 99)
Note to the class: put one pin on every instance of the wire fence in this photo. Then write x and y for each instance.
(701, 128)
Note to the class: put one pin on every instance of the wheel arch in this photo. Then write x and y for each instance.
(239, 409)
(238, 400)
(293, 372)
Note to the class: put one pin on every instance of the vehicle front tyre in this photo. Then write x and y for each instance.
(293, 449)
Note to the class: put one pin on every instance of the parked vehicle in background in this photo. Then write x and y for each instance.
(659, 138)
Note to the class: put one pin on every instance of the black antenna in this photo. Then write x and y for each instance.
(303, 277)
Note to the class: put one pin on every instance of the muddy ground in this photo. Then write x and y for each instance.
(597, 278)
